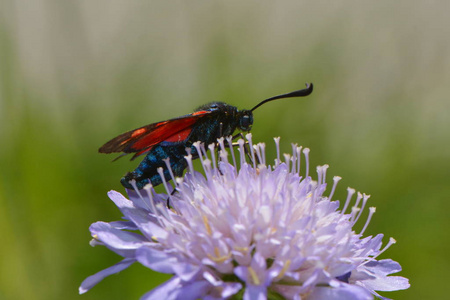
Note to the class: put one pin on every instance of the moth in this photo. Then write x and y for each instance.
(171, 138)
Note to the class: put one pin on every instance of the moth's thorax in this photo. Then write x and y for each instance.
(230, 116)
(220, 107)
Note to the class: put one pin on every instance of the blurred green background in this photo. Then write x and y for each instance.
(74, 74)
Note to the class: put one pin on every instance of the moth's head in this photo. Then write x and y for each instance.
(245, 120)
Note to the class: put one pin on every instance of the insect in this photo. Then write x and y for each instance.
(169, 139)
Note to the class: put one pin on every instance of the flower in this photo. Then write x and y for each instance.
(257, 231)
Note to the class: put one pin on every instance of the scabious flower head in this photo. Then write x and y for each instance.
(256, 231)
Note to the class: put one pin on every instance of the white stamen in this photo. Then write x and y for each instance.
(358, 199)
(167, 162)
(257, 149)
(294, 158)
(206, 163)
(365, 198)
(221, 143)
(161, 174)
(350, 193)
(262, 146)
(287, 159)
(298, 150)
(223, 154)
(230, 144)
(188, 150)
(277, 144)
(150, 204)
(322, 172)
(200, 147)
(306, 153)
(241, 149)
(148, 189)
(167, 219)
(371, 212)
(248, 136)
(189, 161)
(319, 170)
(95, 242)
(134, 185)
(391, 242)
(211, 148)
(335, 182)
(324, 178)
(197, 147)
(205, 154)
(355, 210)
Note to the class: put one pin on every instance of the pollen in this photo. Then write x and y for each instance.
(218, 258)
(254, 276)
(138, 132)
(241, 249)
(284, 269)
(207, 226)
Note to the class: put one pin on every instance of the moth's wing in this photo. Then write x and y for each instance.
(142, 139)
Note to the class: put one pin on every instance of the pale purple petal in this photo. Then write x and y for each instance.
(124, 225)
(144, 220)
(376, 278)
(122, 242)
(255, 292)
(169, 290)
(186, 271)
(227, 289)
(383, 267)
(241, 272)
(156, 260)
(288, 292)
(194, 290)
(389, 283)
(92, 280)
(343, 292)
(175, 289)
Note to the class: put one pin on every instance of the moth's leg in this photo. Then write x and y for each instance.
(178, 164)
(234, 137)
(220, 129)
(247, 149)
(239, 135)
(168, 198)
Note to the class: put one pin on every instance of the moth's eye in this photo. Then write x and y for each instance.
(246, 122)
(214, 106)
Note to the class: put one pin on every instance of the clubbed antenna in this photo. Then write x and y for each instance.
(300, 93)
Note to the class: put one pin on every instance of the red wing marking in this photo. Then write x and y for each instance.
(201, 112)
(164, 133)
(134, 135)
(180, 136)
(143, 139)
(138, 132)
